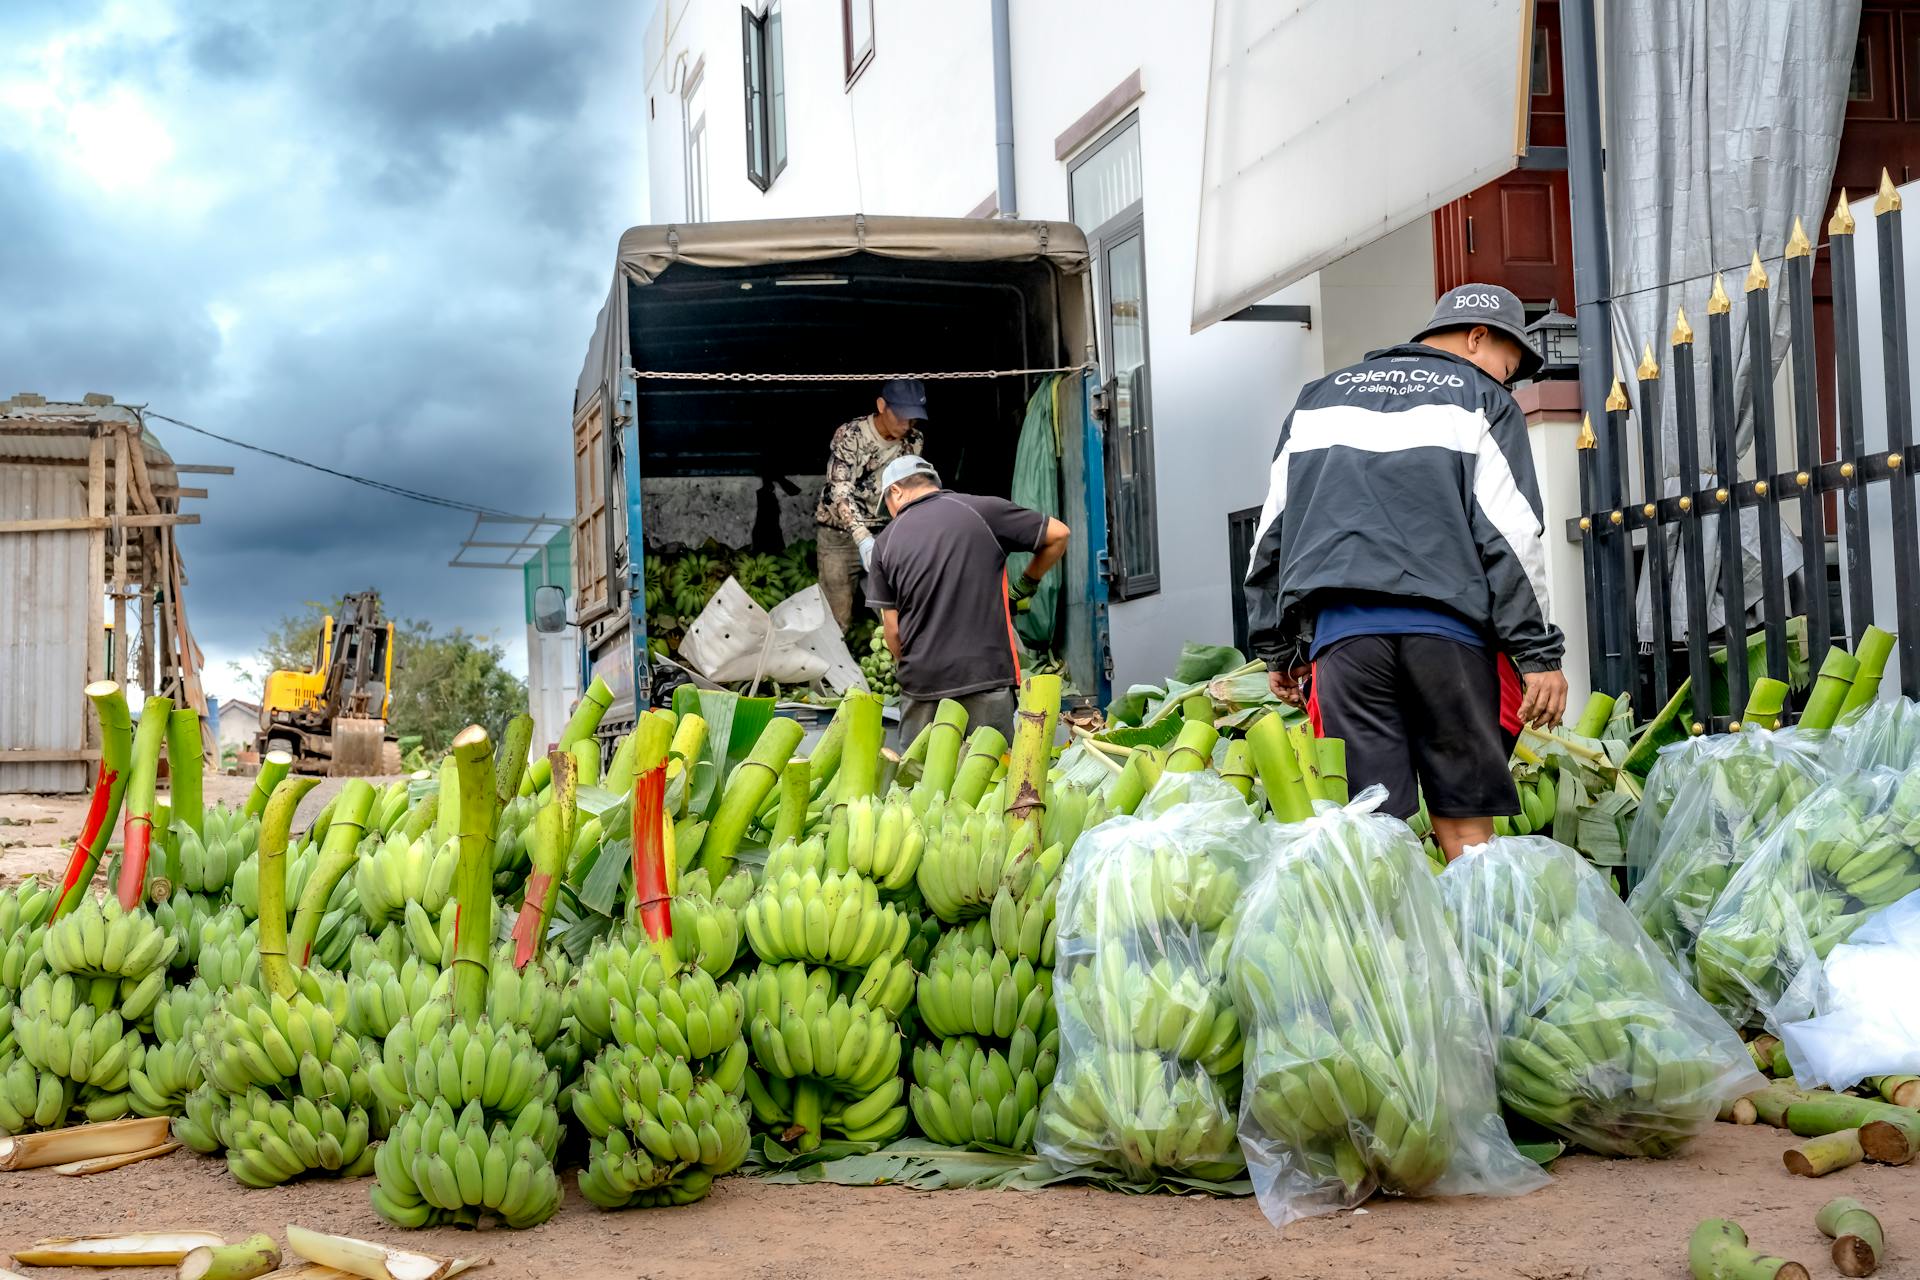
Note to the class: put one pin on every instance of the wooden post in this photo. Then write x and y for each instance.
(96, 659)
(120, 466)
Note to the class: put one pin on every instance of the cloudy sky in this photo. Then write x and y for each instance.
(370, 234)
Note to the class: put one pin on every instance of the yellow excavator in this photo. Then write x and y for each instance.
(333, 719)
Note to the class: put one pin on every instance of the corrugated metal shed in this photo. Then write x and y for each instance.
(43, 579)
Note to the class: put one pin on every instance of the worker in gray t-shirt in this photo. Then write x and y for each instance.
(939, 580)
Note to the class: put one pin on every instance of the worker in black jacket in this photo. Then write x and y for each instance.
(1400, 550)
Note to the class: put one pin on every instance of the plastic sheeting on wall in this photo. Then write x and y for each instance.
(1333, 122)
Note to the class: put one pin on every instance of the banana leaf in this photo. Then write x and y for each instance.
(928, 1166)
(1197, 664)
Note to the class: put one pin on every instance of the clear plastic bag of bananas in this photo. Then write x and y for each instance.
(1369, 1064)
(1150, 1042)
(1884, 736)
(1706, 807)
(1849, 850)
(1601, 1041)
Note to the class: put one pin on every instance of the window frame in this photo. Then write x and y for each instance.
(855, 60)
(765, 94)
(1133, 554)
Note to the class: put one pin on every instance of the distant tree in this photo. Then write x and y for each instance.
(441, 682)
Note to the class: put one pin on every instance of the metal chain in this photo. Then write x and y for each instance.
(677, 375)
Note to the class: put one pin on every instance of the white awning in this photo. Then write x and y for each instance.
(1333, 122)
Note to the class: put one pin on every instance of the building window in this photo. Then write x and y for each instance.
(856, 26)
(1541, 83)
(694, 112)
(1104, 187)
(765, 66)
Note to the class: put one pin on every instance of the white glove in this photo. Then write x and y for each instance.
(865, 547)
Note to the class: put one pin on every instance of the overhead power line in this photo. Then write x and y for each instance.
(398, 491)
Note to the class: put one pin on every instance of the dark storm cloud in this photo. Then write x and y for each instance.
(367, 234)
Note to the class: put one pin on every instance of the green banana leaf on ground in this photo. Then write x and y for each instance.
(928, 1166)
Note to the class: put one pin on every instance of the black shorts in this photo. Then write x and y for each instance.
(1418, 713)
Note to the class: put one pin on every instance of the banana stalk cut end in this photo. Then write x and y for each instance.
(373, 1261)
(81, 1142)
(100, 1164)
(134, 1249)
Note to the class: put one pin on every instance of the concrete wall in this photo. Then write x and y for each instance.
(914, 135)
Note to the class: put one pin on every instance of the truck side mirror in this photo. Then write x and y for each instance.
(549, 609)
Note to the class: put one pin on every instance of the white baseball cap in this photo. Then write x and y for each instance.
(907, 464)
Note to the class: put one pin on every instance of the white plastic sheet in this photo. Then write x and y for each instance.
(734, 639)
(1868, 1022)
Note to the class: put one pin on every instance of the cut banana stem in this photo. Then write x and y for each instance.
(944, 738)
(1875, 647)
(186, 766)
(510, 762)
(1331, 756)
(101, 1164)
(1901, 1091)
(1858, 1240)
(370, 1260)
(586, 761)
(1818, 1157)
(252, 1257)
(1767, 702)
(136, 837)
(1718, 1251)
(81, 1142)
(1032, 748)
(473, 876)
(275, 829)
(1300, 737)
(753, 778)
(338, 852)
(276, 765)
(109, 789)
(794, 793)
(985, 746)
(860, 760)
(1830, 689)
(1279, 770)
(1739, 1111)
(1595, 717)
(135, 1249)
(1237, 768)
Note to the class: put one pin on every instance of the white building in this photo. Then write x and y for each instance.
(886, 107)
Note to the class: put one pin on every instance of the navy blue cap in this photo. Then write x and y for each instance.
(906, 397)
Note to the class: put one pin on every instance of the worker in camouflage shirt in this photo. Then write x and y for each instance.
(852, 509)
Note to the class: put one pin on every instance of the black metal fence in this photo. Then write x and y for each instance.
(1612, 518)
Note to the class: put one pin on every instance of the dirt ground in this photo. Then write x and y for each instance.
(1600, 1220)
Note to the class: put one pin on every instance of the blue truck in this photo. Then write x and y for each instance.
(674, 420)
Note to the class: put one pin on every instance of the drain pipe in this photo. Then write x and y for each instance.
(1003, 108)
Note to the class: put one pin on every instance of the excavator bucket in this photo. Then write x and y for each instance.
(357, 747)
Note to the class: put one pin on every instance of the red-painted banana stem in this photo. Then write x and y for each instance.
(552, 840)
(473, 875)
(274, 767)
(136, 837)
(351, 810)
(109, 788)
(511, 762)
(186, 766)
(276, 827)
(652, 876)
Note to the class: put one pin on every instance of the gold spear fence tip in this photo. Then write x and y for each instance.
(1756, 274)
(1718, 303)
(1649, 367)
(1888, 201)
(1798, 246)
(1841, 223)
(1616, 398)
(1682, 331)
(1587, 439)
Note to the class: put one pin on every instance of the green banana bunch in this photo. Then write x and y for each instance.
(1024, 921)
(399, 871)
(877, 665)
(100, 939)
(534, 999)
(512, 855)
(253, 1039)
(202, 1122)
(1170, 1006)
(875, 1116)
(442, 1167)
(94, 1105)
(705, 928)
(799, 1027)
(270, 1141)
(429, 939)
(24, 907)
(966, 856)
(798, 857)
(836, 919)
(653, 1125)
(208, 858)
(1851, 848)
(390, 808)
(181, 915)
(32, 1098)
(73, 1027)
(966, 1093)
(170, 1069)
(22, 959)
(229, 950)
(1539, 796)
(882, 840)
(492, 1063)
(887, 985)
(1140, 1115)
(624, 993)
(979, 991)
(1712, 805)
(380, 997)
